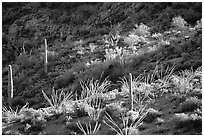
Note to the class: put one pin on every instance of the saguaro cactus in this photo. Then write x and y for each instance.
(10, 86)
(45, 56)
(24, 51)
(130, 92)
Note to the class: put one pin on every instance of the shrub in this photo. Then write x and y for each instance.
(187, 121)
(114, 71)
(132, 39)
(189, 105)
(95, 71)
(198, 24)
(80, 109)
(152, 115)
(27, 61)
(183, 81)
(114, 109)
(10, 115)
(179, 23)
(66, 78)
(141, 30)
(11, 132)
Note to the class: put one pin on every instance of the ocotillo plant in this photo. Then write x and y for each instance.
(130, 92)
(10, 86)
(45, 56)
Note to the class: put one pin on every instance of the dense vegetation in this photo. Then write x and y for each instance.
(93, 48)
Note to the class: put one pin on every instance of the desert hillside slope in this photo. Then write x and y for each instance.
(112, 68)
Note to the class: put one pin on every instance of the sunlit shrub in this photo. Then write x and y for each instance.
(183, 81)
(110, 54)
(141, 30)
(132, 39)
(92, 47)
(179, 23)
(198, 24)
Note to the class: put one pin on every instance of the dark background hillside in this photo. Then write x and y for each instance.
(62, 24)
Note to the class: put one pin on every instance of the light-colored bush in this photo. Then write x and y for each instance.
(179, 22)
(141, 30)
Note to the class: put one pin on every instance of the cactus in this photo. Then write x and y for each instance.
(130, 92)
(24, 51)
(46, 56)
(10, 86)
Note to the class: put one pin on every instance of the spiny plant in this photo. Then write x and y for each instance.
(139, 92)
(92, 87)
(129, 127)
(198, 71)
(12, 115)
(88, 130)
(160, 75)
(95, 108)
(183, 80)
(57, 100)
(92, 92)
(125, 83)
(159, 79)
(111, 40)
